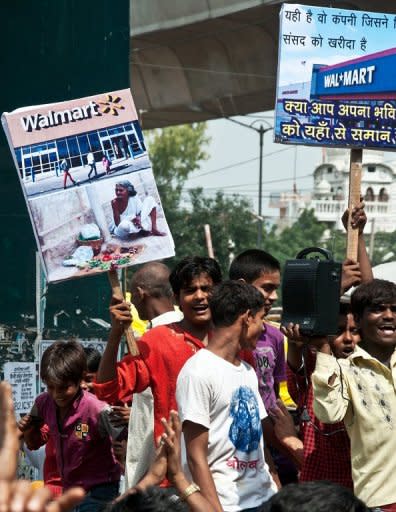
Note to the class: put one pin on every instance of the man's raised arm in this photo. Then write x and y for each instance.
(121, 318)
(115, 382)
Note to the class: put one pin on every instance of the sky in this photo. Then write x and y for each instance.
(231, 145)
(233, 166)
(292, 56)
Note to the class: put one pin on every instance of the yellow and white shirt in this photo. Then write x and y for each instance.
(363, 395)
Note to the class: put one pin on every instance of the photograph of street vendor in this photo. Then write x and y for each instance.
(131, 216)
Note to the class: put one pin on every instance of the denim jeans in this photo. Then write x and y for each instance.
(97, 497)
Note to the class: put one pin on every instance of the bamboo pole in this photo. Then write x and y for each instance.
(117, 293)
(355, 178)
(208, 239)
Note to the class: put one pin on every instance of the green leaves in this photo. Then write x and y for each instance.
(178, 151)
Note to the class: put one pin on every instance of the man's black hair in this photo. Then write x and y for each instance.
(321, 496)
(251, 264)
(377, 291)
(191, 267)
(63, 362)
(231, 299)
(153, 499)
(93, 358)
(345, 308)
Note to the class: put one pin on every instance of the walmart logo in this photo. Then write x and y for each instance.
(111, 105)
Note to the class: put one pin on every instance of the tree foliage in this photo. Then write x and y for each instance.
(307, 231)
(175, 153)
(232, 226)
(384, 247)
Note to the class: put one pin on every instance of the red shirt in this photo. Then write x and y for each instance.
(326, 457)
(163, 352)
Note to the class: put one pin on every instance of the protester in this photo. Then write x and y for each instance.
(314, 497)
(19, 495)
(326, 448)
(79, 424)
(152, 295)
(93, 360)
(163, 349)
(221, 408)
(144, 497)
(119, 414)
(360, 391)
(153, 299)
(51, 476)
(262, 270)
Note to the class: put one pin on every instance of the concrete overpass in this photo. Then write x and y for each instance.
(193, 60)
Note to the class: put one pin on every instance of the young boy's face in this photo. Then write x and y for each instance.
(63, 395)
(348, 335)
(87, 381)
(254, 330)
(193, 300)
(267, 284)
(378, 324)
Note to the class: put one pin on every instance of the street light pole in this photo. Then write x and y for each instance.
(260, 189)
(261, 131)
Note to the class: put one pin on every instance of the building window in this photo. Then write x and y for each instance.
(339, 194)
(369, 196)
(383, 195)
(329, 170)
(371, 168)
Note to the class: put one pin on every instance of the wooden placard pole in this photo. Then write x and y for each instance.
(355, 178)
(117, 293)
(208, 239)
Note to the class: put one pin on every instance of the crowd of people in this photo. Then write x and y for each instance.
(198, 419)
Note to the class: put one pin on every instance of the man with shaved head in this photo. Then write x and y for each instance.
(152, 294)
(164, 349)
(152, 297)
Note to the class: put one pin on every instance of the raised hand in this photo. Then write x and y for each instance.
(351, 275)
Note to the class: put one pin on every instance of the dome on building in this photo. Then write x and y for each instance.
(337, 157)
(323, 188)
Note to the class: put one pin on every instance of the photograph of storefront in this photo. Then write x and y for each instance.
(78, 233)
(41, 169)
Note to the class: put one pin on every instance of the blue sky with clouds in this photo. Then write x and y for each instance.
(296, 61)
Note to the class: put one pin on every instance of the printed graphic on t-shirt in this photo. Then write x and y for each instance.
(245, 430)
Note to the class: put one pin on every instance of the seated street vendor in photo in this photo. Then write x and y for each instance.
(131, 216)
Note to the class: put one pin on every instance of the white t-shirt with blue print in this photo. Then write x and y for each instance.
(225, 399)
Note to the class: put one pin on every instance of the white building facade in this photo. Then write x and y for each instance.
(329, 198)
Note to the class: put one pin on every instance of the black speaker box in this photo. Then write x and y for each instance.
(311, 292)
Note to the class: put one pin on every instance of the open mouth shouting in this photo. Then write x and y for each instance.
(200, 309)
(387, 330)
(348, 350)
